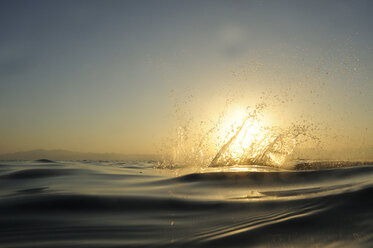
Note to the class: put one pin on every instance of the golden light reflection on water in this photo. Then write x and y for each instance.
(241, 168)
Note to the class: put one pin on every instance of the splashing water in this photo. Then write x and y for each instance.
(241, 139)
(253, 143)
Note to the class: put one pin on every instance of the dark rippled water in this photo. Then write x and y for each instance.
(131, 204)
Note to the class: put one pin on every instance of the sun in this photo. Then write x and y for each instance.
(249, 140)
(240, 132)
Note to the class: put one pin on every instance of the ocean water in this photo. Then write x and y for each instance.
(134, 204)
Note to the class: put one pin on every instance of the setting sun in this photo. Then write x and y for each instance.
(248, 141)
(189, 123)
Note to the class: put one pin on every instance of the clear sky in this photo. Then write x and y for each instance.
(96, 76)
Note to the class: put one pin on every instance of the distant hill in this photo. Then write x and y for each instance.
(69, 155)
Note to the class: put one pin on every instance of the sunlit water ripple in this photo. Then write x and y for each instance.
(131, 204)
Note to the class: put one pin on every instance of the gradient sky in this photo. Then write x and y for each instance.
(96, 76)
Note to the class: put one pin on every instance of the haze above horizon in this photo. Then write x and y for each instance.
(115, 76)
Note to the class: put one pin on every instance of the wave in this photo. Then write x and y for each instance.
(44, 160)
(321, 165)
(72, 220)
(89, 204)
(282, 177)
(38, 173)
(96, 203)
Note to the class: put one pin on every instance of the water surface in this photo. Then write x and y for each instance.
(132, 204)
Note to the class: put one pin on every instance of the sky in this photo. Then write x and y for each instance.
(105, 76)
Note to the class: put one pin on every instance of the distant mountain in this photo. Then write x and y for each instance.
(69, 155)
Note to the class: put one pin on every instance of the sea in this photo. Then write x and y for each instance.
(75, 204)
